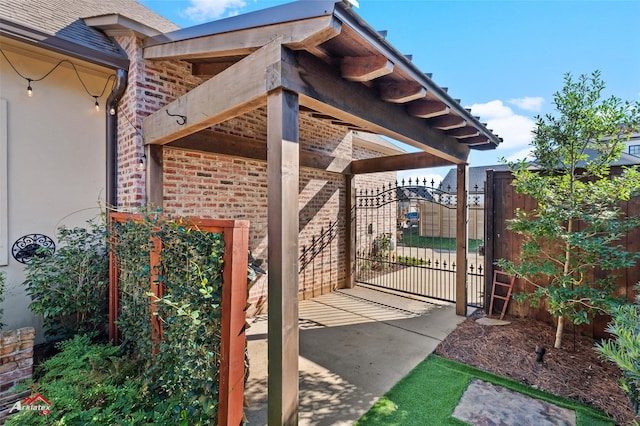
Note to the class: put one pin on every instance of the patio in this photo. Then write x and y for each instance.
(355, 344)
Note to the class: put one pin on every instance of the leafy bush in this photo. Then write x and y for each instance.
(130, 244)
(381, 251)
(624, 349)
(68, 289)
(171, 381)
(191, 314)
(95, 384)
(186, 360)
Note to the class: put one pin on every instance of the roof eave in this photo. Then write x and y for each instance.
(116, 24)
(37, 38)
(345, 14)
(288, 12)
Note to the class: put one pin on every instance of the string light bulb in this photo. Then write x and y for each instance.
(75, 69)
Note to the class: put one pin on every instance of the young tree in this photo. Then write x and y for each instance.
(571, 239)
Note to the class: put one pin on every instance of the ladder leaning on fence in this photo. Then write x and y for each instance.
(503, 283)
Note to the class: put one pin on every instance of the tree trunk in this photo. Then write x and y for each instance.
(559, 331)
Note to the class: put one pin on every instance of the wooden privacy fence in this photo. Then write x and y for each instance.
(501, 203)
(233, 304)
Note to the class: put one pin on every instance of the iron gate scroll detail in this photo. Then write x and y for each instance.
(406, 240)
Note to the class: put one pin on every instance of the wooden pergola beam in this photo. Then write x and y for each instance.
(365, 68)
(464, 132)
(417, 160)
(475, 140)
(322, 90)
(427, 108)
(297, 34)
(400, 93)
(209, 69)
(238, 146)
(238, 89)
(447, 122)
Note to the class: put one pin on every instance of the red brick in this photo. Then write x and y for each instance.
(10, 366)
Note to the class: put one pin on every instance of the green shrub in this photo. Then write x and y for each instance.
(624, 348)
(381, 251)
(95, 384)
(68, 289)
(186, 361)
(130, 244)
(191, 314)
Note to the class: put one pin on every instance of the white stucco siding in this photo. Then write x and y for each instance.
(4, 226)
(56, 155)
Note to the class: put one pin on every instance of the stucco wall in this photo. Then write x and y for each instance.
(55, 156)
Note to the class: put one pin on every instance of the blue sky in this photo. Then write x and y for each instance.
(503, 59)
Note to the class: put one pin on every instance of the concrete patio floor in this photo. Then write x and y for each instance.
(355, 344)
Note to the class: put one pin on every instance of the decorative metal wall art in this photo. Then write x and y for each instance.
(27, 247)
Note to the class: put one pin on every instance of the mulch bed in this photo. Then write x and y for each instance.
(575, 371)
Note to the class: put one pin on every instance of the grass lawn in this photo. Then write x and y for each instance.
(412, 239)
(430, 392)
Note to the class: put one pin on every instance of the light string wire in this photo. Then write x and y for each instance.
(143, 158)
(96, 97)
(63, 61)
(138, 131)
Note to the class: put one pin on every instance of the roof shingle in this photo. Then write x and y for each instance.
(64, 19)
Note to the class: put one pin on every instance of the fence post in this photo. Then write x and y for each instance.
(461, 239)
(233, 341)
(489, 217)
(155, 288)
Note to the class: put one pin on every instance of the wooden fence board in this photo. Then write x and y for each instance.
(501, 202)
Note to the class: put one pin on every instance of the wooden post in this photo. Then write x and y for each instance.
(154, 177)
(283, 228)
(461, 239)
(155, 288)
(233, 341)
(489, 240)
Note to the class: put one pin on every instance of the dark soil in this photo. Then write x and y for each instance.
(574, 371)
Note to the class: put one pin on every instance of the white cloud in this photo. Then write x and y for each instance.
(492, 109)
(526, 153)
(207, 10)
(528, 103)
(515, 129)
(421, 175)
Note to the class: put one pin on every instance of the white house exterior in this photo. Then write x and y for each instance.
(53, 150)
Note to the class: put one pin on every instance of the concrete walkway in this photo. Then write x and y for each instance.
(354, 346)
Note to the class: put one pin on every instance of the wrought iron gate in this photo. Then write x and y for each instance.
(406, 240)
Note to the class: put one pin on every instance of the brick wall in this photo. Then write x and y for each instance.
(16, 365)
(151, 85)
(374, 222)
(16, 357)
(226, 187)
